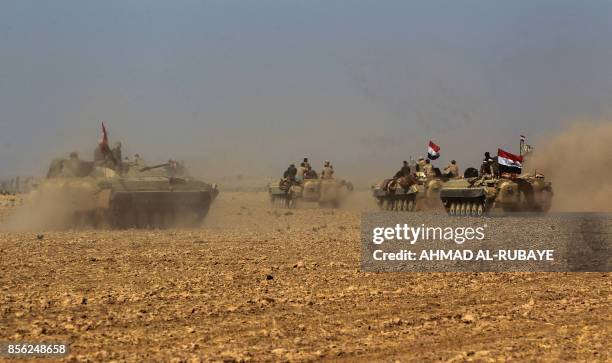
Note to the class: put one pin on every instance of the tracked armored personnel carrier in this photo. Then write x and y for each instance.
(477, 196)
(125, 196)
(391, 195)
(396, 195)
(284, 194)
(325, 192)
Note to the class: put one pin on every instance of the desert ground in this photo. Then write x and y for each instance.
(263, 284)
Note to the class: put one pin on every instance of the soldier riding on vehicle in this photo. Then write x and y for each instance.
(328, 171)
(452, 170)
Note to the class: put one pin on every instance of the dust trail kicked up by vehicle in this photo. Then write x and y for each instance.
(579, 163)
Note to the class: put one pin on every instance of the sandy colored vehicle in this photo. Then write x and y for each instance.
(284, 194)
(85, 194)
(408, 194)
(325, 192)
(476, 196)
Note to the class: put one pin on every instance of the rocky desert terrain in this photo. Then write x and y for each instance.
(263, 284)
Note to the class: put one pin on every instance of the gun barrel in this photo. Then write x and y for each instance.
(154, 167)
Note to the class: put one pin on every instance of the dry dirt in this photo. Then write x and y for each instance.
(255, 284)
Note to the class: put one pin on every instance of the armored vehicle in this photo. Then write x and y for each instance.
(284, 194)
(404, 194)
(325, 192)
(126, 195)
(476, 196)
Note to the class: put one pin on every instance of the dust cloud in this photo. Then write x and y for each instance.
(48, 209)
(578, 161)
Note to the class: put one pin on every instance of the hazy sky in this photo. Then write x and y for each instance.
(249, 86)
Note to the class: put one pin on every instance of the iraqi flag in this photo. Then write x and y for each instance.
(433, 151)
(509, 163)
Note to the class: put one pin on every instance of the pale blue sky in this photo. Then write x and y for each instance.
(249, 86)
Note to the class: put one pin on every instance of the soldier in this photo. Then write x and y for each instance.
(328, 171)
(452, 170)
(404, 171)
(301, 171)
(170, 168)
(428, 169)
(311, 174)
(420, 164)
(72, 166)
(290, 173)
(487, 166)
(138, 161)
(117, 152)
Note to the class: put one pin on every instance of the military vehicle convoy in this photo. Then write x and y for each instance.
(126, 196)
(325, 192)
(476, 196)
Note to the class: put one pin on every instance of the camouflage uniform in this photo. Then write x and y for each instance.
(404, 171)
(327, 172)
(421, 164)
(301, 171)
(306, 164)
(428, 170)
(290, 173)
(489, 166)
(310, 174)
(451, 171)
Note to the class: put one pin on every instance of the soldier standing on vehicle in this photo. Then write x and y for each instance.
(328, 171)
(487, 166)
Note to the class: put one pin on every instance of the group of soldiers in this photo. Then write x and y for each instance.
(305, 171)
(113, 158)
(489, 167)
(425, 166)
(108, 158)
